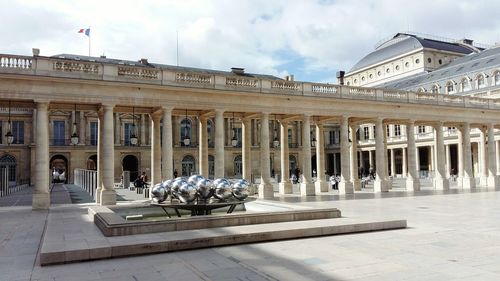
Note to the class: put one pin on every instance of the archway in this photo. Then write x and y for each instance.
(59, 164)
(8, 161)
(92, 162)
(188, 165)
(131, 164)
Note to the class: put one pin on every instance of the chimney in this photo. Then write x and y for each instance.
(144, 61)
(35, 51)
(289, 77)
(340, 77)
(238, 70)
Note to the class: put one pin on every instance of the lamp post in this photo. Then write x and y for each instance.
(74, 136)
(133, 137)
(186, 140)
(234, 140)
(276, 142)
(8, 135)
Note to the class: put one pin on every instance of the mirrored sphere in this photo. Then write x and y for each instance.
(158, 193)
(240, 190)
(223, 190)
(219, 180)
(168, 185)
(176, 185)
(187, 193)
(194, 179)
(205, 187)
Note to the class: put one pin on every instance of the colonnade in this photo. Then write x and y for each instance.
(162, 154)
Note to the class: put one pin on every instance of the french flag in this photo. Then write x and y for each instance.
(85, 30)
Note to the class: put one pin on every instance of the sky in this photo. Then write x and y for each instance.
(311, 39)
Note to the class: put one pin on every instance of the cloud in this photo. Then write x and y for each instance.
(311, 39)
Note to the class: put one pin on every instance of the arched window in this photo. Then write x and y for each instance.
(421, 90)
(185, 130)
(238, 166)
(450, 87)
(480, 81)
(465, 85)
(496, 78)
(9, 162)
(435, 89)
(188, 166)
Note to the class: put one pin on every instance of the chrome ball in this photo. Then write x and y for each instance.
(223, 190)
(194, 179)
(205, 188)
(187, 193)
(176, 186)
(240, 189)
(219, 180)
(168, 185)
(158, 193)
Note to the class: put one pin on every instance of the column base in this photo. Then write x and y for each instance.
(41, 201)
(108, 197)
(321, 186)
(441, 184)
(356, 184)
(381, 185)
(285, 188)
(98, 195)
(345, 188)
(266, 191)
(307, 189)
(468, 183)
(483, 181)
(493, 181)
(412, 184)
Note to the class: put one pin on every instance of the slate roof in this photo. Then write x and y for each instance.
(161, 66)
(403, 43)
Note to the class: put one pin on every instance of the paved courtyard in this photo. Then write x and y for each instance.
(452, 235)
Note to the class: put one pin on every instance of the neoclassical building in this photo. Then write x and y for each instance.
(69, 112)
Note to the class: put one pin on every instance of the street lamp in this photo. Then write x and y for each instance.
(8, 135)
(133, 137)
(74, 136)
(186, 140)
(276, 142)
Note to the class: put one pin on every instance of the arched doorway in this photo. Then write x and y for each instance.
(8, 161)
(92, 162)
(131, 164)
(59, 164)
(238, 166)
(188, 166)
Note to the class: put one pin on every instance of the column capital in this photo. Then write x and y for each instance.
(167, 108)
(410, 122)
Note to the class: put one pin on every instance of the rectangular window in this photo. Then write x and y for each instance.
(337, 137)
(290, 138)
(93, 133)
(128, 131)
(331, 137)
(366, 133)
(397, 130)
(388, 130)
(1, 134)
(58, 133)
(374, 132)
(421, 129)
(239, 135)
(18, 132)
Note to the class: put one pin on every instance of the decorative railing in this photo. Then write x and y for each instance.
(139, 73)
(71, 66)
(358, 92)
(241, 82)
(426, 97)
(395, 95)
(457, 100)
(479, 102)
(285, 85)
(325, 89)
(19, 62)
(194, 78)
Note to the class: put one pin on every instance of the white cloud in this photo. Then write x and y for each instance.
(318, 37)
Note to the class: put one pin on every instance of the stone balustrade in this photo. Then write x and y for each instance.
(53, 66)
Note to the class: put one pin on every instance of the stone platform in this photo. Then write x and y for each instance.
(72, 236)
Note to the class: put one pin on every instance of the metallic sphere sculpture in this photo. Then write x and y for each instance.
(187, 190)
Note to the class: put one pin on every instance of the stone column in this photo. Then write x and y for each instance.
(393, 163)
(265, 187)
(460, 156)
(345, 185)
(412, 181)
(320, 184)
(143, 130)
(440, 180)
(41, 194)
(219, 143)
(285, 186)
(370, 160)
(380, 184)
(405, 169)
(497, 156)
(203, 146)
(468, 181)
(246, 147)
(483, 158)
(155, 150)
(167, 145)
(353, 158)
(108, 194)
(492, 161)
(335, 164)
(448, 161)
(33, 132)
(82, 128)
(306, 186)
(117, 128)
(100, 165)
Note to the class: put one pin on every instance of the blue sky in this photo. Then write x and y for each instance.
(310, 39)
